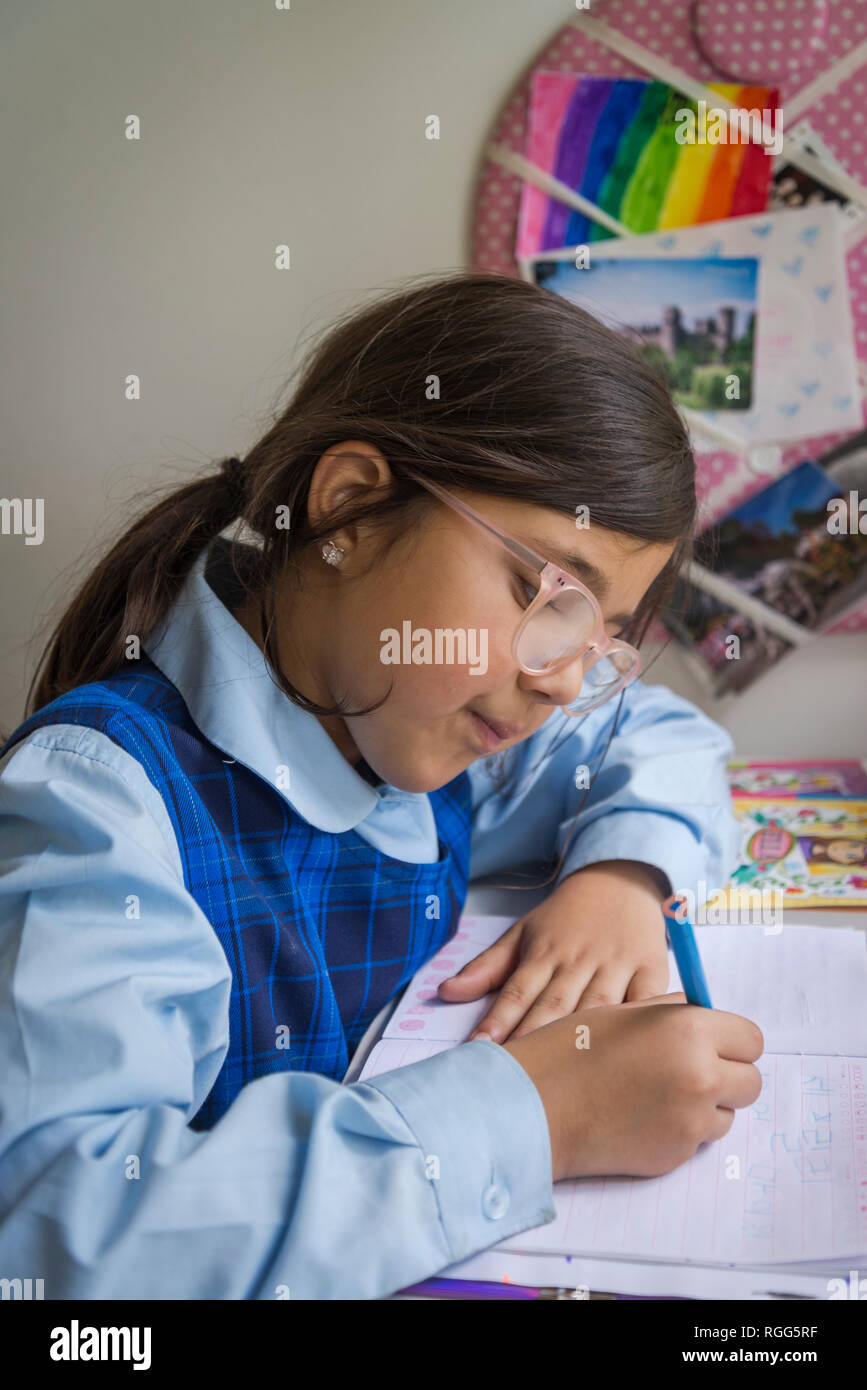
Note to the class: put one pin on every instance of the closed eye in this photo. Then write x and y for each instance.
(526, 591)
(529, 592)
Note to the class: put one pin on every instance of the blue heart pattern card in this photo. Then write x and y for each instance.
(781, 296)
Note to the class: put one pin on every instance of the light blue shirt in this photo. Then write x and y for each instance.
(111, 1038)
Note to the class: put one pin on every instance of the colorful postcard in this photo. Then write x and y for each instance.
(777, 547)
(613, 140)
(694, 319)
(794, 188)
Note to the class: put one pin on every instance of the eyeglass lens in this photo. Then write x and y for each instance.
(558, 630)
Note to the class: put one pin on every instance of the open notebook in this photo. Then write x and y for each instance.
(787, 1186)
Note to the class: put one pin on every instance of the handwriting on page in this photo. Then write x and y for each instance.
(787, 1183)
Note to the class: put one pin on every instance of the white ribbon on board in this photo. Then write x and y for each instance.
(827, 81)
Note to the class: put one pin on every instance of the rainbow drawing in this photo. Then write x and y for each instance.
(613, 141)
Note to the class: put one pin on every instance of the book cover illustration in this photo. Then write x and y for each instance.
(812, 849)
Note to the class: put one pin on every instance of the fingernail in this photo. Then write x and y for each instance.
(476, 1036)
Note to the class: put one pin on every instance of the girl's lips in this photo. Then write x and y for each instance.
(492, 735)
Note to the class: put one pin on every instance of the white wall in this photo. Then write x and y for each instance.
(156, 257)
(810, 705)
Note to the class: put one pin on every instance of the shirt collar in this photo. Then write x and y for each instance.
(225, 683)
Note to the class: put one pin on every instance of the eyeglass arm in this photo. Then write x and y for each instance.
(521, 552)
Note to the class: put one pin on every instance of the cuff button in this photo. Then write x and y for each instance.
(495, 1202)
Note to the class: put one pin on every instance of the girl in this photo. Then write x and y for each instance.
(256, 777)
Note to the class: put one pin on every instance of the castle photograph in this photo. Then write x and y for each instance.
(694, 320)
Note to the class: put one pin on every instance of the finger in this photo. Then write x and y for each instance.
(740, 1085)
(560, 997)
(514, 999)
(720, 1124)
(607, 986)
(737, 1039)
(485, 971)
(676, 997)
(648, 982)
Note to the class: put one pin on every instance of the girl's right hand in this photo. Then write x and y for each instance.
(658, 1078)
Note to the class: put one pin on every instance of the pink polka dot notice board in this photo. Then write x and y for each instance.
(813, 51)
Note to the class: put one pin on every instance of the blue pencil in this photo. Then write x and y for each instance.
(683, 943)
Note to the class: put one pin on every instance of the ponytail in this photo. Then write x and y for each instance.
(134, 586)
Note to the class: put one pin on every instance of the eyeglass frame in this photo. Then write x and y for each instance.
(552, 579)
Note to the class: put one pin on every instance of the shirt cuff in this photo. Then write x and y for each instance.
(649, 837)
(482, 1130)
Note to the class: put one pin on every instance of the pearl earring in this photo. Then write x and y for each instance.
(332, 554)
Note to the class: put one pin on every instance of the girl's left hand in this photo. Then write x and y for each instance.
(598, 939)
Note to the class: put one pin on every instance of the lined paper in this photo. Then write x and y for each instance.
(788, 1183)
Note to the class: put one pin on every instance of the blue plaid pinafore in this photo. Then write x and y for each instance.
(319, 929)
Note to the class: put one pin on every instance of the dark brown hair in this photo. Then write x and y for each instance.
(473, 380)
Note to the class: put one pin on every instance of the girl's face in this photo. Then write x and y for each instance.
(355, 626)
(846, 851)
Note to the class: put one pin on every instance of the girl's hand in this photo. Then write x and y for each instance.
(643, 1086)
(598, 939)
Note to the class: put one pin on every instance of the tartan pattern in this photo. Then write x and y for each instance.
(319, 929)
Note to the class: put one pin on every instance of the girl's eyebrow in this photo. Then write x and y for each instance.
(583, 570)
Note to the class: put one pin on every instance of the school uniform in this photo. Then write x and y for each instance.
(203, 907)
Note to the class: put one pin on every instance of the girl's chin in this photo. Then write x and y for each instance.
(427, 774)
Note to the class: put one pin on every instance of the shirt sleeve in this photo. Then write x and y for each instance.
(114, 996)
(660, 796)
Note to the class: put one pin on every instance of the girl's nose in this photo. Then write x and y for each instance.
(561, 687)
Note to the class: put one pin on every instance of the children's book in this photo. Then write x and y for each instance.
(776, 777)
(810, 850)
(784, 1188)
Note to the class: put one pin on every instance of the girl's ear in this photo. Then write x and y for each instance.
(344, 474)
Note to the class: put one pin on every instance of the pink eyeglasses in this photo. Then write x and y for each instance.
(564, 621)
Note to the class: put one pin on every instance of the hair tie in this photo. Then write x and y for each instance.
(233, 473)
